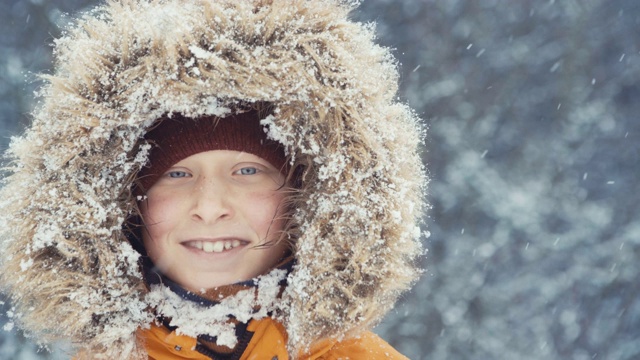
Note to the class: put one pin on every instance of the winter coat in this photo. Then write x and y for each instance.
(268, 342)
(67, 264)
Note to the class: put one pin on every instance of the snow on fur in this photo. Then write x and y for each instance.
(66, 263)
(192, 319)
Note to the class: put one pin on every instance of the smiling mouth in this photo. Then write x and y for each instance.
(214, 246)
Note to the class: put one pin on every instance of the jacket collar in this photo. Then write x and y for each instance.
(209, 344)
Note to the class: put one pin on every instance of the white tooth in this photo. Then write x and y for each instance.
(197, 244)
(227, 245)
(207, 246)
(218, 246)
(235, 243)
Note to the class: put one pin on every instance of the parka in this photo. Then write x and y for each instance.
(67, 265)
(268, 342)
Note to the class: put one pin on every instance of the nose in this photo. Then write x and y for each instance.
(211, 201)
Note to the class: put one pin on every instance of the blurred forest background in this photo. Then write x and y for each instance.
(534, 153)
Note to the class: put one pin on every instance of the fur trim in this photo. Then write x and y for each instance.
(68, 267)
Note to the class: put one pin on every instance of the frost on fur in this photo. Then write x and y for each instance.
(66, 261)
(192, 319)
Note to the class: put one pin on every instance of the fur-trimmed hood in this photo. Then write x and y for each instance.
(66, 263)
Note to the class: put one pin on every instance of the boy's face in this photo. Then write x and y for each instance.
(208, 215)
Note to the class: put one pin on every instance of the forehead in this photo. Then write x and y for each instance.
(224, 156)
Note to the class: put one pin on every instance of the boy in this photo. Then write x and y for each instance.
(252, 154)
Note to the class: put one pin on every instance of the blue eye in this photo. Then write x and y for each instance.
(178, 174)
(248, 171)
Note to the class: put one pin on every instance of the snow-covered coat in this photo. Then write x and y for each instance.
(66, 263)
(268, 342)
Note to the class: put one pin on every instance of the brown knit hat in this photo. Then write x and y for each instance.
(178, 137)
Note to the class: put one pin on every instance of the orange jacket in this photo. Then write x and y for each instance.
(268, 343)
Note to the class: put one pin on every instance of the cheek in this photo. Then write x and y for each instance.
(157, 207)
(266, 212)
(157, 212)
